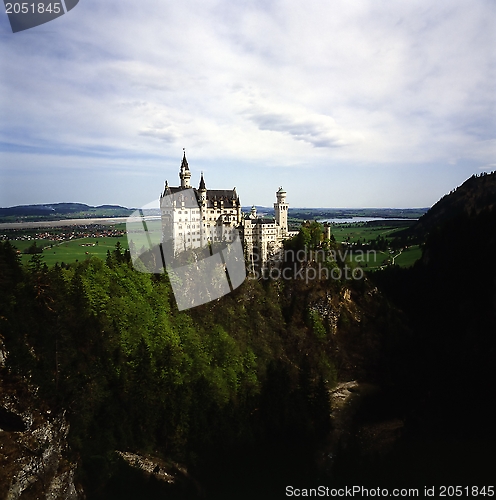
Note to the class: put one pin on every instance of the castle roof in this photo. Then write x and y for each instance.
(184, 163)
(228, 197)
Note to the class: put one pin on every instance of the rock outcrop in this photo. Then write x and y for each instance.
(33, 446)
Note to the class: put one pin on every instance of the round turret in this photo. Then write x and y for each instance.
(281, 211)
(281, 195)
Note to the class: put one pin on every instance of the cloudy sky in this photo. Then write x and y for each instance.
(344, 103)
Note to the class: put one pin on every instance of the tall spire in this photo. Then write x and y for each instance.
(184, 173)
(184, 163)
(202, 183)
(203, 192)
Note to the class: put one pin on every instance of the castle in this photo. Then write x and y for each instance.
(195, 218)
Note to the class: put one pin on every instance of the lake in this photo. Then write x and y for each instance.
(351, 220)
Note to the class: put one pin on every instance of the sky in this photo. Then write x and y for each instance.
(363, 103)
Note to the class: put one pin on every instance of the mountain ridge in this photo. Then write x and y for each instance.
(476, 194)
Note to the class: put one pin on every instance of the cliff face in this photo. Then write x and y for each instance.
(33, 446)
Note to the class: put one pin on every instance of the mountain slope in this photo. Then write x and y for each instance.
(446, 370)
(476, 194)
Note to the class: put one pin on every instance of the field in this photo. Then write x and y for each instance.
(73, 250)
(409, 256)
(375, 259)
(363, 231)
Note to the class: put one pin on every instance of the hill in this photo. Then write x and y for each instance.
(60, 211)
(476, 194)
(449, 297)
(46, 209)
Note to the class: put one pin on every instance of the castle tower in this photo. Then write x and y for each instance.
(202, 190)
(184, 173)
(281, 211)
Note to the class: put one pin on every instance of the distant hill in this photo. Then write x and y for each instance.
(112, 206)
(60, 208)
(61, 211)
(475, 195)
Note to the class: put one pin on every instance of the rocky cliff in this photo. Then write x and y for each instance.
(34, 461)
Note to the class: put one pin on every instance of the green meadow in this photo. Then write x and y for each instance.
(371, 260)
(409, 256)
(361, 231)
(364, 232)
(73, 250)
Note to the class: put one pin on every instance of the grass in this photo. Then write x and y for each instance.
(371, 260)
(362, 232)
(409, 256)
(72, 251)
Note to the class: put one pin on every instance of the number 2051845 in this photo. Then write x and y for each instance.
(33, 8)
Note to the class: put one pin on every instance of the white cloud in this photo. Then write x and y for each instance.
(274, 84)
